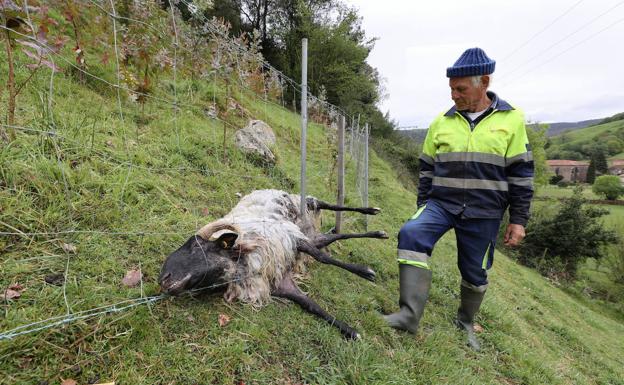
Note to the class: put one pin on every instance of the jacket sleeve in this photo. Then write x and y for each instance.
(519, 170)
(425, 177)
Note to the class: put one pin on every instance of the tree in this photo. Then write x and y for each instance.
(228, 11)
(615, 145)
(537, 139)
(17, 38)
(559, 243)
(597, 162)
(591, 171)
(602, 167)
(609, 186)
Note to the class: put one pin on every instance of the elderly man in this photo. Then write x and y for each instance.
(476, 161)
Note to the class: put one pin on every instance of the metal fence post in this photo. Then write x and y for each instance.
(366, 136)
(304, 122)
(341, 149)
(358, 161)
(352, 137)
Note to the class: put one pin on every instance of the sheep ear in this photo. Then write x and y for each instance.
(224, 238)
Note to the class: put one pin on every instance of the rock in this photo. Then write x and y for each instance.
(255, 140)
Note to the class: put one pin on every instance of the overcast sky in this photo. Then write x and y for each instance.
(549, 77)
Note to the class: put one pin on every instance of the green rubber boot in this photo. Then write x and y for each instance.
(415, 283)
(471, 298)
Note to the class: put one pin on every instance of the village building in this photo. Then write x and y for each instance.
(570, 170)
(576, 170)
(616, 167)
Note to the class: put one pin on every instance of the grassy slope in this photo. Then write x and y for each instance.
(550, 191)
(534, 332)
(595, 278)
(588, 135)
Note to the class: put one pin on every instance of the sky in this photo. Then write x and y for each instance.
(557, 60)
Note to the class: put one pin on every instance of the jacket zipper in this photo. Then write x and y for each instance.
(472, 128)
(465, 162)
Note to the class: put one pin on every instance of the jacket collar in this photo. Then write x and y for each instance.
(497, 104)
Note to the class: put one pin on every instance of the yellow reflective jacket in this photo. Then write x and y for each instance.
(479, 168)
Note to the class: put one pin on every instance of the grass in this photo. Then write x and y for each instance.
(575, 139)
(595, 284)
(534, 333)
(617, 156)
(550, 191)
(615, 219)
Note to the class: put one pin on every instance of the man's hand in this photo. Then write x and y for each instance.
(514, 235)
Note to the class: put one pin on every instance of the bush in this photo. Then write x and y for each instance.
(563, 184)
(614, 146)
(571, 155)
(609, 186)
(615, 262)
(559, 243)
(403, 154)
(555, 179)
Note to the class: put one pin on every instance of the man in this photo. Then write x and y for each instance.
(476, 161)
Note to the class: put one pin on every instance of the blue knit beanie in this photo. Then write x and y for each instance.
(472, 62)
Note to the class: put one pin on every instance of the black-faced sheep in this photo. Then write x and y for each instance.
(255, 250)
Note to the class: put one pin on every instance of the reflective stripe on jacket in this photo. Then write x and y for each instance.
(479, 170)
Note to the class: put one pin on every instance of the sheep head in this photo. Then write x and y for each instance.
(208, 258)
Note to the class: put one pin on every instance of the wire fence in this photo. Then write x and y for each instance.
(202, 51)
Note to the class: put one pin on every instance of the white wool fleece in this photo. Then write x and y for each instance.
(269, 226)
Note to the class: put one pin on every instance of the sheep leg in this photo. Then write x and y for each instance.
(324, 240)
(328, 206)
(288, 289)
(361, 270)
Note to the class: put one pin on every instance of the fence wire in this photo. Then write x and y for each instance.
(324, 112)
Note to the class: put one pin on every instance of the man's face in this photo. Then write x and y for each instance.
(465, 94)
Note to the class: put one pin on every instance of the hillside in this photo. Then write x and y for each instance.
(534, 333)
(418, 135)
(557, 128)
(575, 143)
(554, 129)
(95, 184)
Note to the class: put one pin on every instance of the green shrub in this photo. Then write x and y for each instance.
(615, 262)
(609, 186)
(403, 154)
(555, 179)
(557, 243)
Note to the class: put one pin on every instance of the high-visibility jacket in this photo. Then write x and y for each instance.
(479, 168)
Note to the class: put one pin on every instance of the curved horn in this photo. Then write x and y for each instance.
(207, 232)
(217, 234)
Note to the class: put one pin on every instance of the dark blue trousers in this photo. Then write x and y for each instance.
(476, 238)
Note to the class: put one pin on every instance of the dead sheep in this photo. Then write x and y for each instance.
(255, 250)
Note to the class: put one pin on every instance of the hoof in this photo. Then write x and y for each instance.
(368, 274)
(372, 210)
(352, 335)
(381, 234)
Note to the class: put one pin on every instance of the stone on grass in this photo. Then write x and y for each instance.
(256, 140)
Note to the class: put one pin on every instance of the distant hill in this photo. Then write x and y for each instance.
(577, 144)
(554, 129)
(561, 127)
(417, 135)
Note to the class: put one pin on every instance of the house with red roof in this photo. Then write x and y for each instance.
(616, 167)
(576, 170)
(571, 170)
